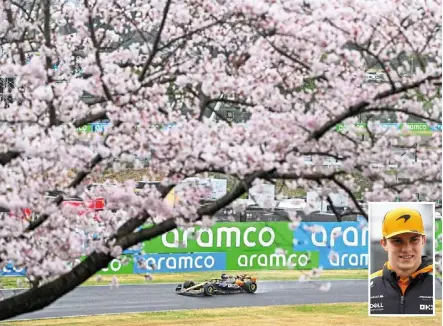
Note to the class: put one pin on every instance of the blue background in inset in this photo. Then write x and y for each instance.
(219, 263)
(305, 243)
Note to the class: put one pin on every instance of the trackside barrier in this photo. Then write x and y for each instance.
(418, 128)
(249, 246)
(414, 128)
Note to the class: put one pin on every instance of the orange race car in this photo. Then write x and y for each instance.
(226, 284)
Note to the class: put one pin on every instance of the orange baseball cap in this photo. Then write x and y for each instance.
(402, 220)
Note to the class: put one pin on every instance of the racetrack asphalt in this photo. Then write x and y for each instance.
(95, 300)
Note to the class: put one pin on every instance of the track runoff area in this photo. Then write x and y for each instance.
(318, 263)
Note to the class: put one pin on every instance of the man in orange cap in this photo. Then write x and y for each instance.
(405, 285)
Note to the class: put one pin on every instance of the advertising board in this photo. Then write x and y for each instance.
(179, 263)
(224, 246)
(416, 128)
(249, 246)
(10, 270)
(341, 245)
(224, 237)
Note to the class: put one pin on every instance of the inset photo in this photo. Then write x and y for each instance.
(401, 258)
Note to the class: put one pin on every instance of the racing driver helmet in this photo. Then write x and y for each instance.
(224, 277)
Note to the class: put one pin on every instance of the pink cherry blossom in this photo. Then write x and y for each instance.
(298, 73)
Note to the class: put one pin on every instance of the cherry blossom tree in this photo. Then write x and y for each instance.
(296, 67)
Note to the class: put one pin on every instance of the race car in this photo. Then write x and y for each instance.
(226, 284)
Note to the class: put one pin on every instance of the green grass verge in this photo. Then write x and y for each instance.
(320, 314)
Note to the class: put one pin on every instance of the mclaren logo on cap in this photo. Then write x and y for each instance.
(405, 217)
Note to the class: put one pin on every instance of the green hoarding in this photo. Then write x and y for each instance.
(230, 246)
(296, 260)
(121, 265)
(225, 237)
(419, 129)
(85, 128)
(438, 229)
(245, 246)
(237, 261)
(415, 128)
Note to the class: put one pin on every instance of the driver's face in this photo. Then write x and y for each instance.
(404, 251)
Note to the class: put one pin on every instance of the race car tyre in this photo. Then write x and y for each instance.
(250, 287)
(188, 284)
(208, 290)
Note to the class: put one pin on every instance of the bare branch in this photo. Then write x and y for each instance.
(156, 41)
(358, 108)
(412, 114)
(351, 195)
(188, 35)
(40, 297)
(310, 176)
(98, 60)
(48, 43)
(90, 118)
(230, 101)
(206, 210)
(383, 66)
(7, 157)
(333, 209)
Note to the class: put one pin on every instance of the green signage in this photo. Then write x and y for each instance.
(272, 260)
(416, 128)
(224, 237)
(85, 128)
(438, 235)
(411, 128)
(235, 261)
(121, 265)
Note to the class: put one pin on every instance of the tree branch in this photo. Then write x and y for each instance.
(416, 115)
(40, 297)
(78, 179)
(42, 218)
(351, 195)
(358, 108)
(229, 101)
(310, 176)
(188, 35)
(376, 57)
(292, 58)
(333, 209)
(96, 43)
(156, 42)
(210, 209)
(7, 157)
(90, 118)
(48, 59)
